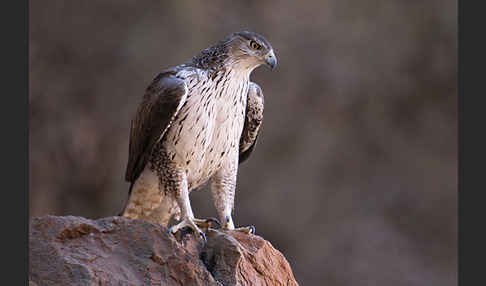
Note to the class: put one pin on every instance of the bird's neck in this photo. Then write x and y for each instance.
(241, 67)
(235, 74)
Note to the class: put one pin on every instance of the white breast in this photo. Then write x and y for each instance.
(205, 135)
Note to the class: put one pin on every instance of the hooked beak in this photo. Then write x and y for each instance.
(271, 60)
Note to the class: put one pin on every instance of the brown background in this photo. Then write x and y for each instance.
(354, 177)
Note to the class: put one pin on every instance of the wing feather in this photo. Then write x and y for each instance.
(253, 121)
(161, 103)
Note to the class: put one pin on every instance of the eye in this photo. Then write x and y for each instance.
(254, 45)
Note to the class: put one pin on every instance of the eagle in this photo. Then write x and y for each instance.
(195, 124)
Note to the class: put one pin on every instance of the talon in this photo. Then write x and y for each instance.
(191, 224)
(229, 223)
(248, 229)
(203, 236)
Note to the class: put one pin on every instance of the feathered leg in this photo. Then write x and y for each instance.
(176, 183)
(223, 185)
(173, 181)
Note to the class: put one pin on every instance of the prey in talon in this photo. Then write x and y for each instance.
(196, 123)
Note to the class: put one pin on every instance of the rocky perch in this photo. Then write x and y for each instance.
(116, 251)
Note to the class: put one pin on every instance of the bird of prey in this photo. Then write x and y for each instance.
(197, 122)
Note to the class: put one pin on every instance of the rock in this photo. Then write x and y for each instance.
(116, 251)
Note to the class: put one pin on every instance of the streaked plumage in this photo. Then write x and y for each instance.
(196, 122)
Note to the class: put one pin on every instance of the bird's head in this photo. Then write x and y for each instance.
(243, 51)
(249, 50)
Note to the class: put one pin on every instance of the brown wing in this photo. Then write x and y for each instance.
(160, 104)
(253, 121)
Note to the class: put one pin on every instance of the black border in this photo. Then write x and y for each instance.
(471, 77)
(15, 144)
(460, 131)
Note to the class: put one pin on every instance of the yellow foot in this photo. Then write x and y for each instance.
(230, 226)
(246, 229)
(195, 224)
(207, 223)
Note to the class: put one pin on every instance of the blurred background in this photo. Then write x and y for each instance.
(354, 176)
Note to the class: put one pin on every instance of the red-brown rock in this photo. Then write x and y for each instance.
(117, 251)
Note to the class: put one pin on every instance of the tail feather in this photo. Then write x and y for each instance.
(126, 202)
